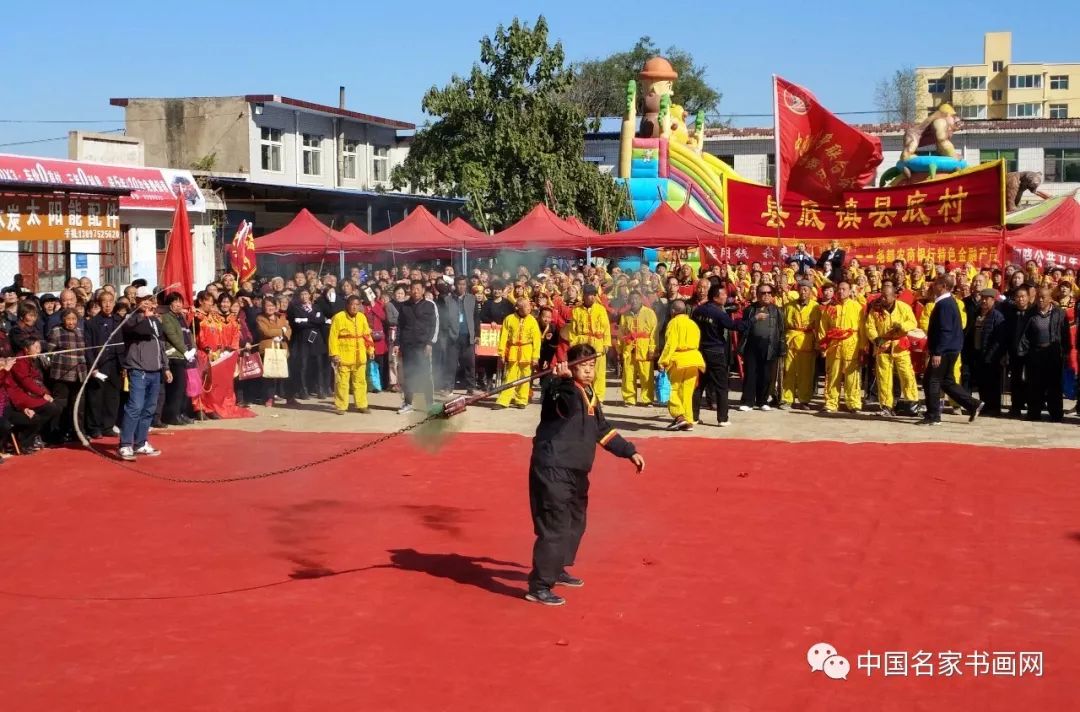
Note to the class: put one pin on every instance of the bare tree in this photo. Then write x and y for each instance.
(895, 96)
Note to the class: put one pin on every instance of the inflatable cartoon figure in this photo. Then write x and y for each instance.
(656, 80)
(936, 130)
(1019, 181)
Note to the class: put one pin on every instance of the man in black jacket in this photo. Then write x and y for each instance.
(571, 425)
(989, 346)
(494, 311)
(1046, 343)
(831, 262)
(945, 340)
(765, 342)
(714, 322)
(1017, 312)
(418, 330)
(103, 391)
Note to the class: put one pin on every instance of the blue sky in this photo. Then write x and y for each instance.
(66, 59)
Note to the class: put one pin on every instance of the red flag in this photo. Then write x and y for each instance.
(242, 252)
(179, 268)
(819, 156)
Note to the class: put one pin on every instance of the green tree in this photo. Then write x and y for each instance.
(505, 138)
(599, 86)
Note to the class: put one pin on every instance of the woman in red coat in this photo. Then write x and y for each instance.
(376, 317)
(32, 409)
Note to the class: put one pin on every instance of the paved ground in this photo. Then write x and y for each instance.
(792, 426)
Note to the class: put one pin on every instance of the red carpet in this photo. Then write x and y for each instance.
(708, 578)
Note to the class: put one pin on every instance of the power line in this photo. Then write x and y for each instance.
(108, 121)
(47, 140)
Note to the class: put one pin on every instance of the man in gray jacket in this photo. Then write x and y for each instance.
(468, 336)
(445, 365)
(145, 362)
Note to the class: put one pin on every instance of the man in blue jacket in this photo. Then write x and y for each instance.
(945, 339)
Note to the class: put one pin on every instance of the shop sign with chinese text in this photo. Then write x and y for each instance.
(59, 216)
(151, 188)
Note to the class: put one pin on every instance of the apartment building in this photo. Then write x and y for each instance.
(999, 88)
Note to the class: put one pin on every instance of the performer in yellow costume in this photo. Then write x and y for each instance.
(350, 346)
(887, 325)
(589, 325)
(801, 321)
(637, 328)
(519, 351)
(840, 334)
(683, 362)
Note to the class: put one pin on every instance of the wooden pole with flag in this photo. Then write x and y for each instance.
(179, 267)
(242, 253)
(776, 161)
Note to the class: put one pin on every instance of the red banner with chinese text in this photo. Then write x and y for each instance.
(1064, 256)
(821, 156)
(972, 199)
(940, 249)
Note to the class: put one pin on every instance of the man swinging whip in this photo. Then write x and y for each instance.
(571, 424)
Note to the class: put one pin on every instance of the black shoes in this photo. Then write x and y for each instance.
(566, 579)
(545, 596)
(975, 413)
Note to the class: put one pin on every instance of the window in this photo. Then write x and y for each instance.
(999, 65)
(380, 163)
(973, 112)
(1061, 165)
(936, 86)
(44, 264)
(728, 158)
(116, 259)
(987, 155)
(271, 149)
(1059, 111)
(997, 94)
(312, 154)
(1025, 111)
(770, 169)
(1059, 81)
(349, 158)
(1025, 81)
(968, 83)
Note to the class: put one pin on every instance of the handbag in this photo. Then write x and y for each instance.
(275, 363)
(374, 376)
(663, 388)
(249, 366)
(193, 382)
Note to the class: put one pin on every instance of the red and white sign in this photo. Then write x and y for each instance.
(151, 188)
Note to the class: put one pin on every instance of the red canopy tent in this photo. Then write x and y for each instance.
(665, 227)
(540, 229)
(420, 234)
(354, 232)
(304, 235)
(694, 218)
(463, 227)
(576, 223)
(1057, 232)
